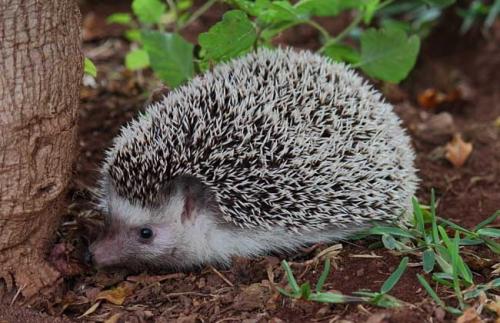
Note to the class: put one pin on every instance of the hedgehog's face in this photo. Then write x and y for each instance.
(137, 237)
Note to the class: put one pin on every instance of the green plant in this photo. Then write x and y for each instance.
(380, 298)
(376, 41)
(478, 10)
(89, 67)
(440, 251)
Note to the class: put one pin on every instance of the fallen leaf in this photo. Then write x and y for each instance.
(497, 122)
(116, 295)
(458, 151)
(494, 306)
(430, 98)
(469, 316)
(114, 318)
(91, 310)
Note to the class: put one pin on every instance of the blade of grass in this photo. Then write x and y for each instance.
(429, 260)
(435, 234)
(454, 263)
(324, 275)
(489, 220)
(419, 217)
(291, 279)
(394, 277)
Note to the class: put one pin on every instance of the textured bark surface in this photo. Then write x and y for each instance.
(40, 74)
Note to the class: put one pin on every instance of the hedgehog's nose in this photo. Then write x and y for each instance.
(87, 257)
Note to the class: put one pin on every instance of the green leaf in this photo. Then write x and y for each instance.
(388, 54)
(494, 246)
(489, 232)
(419, 217)
(435, 234)
(281, 11)
(394, 231)
(429, 260)
(122, 18)
(369, 9)
(89, 67)
(230, 37)
(148, 11)
(291, 279)
(489, 220)
(343, 53)
(137, 59)
(389, 242)
(334, 298)
(324, 275)
(327, 8)
(305, 290)
(133, 35)
(394, 277)
(440, 3)
(170, 56)
(430, 291)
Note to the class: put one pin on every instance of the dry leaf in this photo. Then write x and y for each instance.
(469, 316)
(430, 98)
(497, 122)
(91, 310)
(116, 295)
(494, 306)
(114, 318)
(458, 151)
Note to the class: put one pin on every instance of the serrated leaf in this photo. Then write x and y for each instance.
(148, 11)
(327, 8)
(388, 54)
(170, 56)
(89, 67)
(281, 11)
(343, 53)
(122, 18)
(230, 37)
(429, 260)
(137, 59)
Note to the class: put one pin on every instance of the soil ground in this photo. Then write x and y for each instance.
(244, 292)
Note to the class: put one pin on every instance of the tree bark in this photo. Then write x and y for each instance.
(40, 74)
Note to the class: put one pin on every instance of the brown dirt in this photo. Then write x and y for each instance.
(467, 195)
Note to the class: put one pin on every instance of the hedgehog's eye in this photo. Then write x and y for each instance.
(146, 233)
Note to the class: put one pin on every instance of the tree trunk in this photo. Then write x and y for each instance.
(40, 74)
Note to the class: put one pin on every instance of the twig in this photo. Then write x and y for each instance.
(17, 294)
(222, 276)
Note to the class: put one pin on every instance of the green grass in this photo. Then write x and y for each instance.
(380, 298)
(437, 242)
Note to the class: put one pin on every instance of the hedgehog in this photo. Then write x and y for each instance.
(267, 153)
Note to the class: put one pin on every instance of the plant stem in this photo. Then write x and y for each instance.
(354, 23)
(320, 28)
(200, 11)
